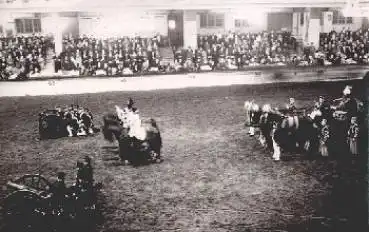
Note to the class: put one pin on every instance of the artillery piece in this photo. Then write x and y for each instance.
(30, 205)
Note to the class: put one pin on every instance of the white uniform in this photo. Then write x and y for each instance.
(136, 129)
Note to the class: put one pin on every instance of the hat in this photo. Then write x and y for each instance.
(347, 90)
(61, 175)
(87, 159)
(130, 102)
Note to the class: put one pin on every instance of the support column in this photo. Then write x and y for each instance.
(190, 29)
(229, 20)
(327, 21)
(56, 31)
(8, 23)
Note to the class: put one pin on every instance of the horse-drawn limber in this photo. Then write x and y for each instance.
(56, 123)
(32, 205)
(282, 130)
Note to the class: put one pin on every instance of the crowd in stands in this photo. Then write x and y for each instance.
(130, 55)
(91, 56)
(345, 47)
(235, 51)
(23, 55)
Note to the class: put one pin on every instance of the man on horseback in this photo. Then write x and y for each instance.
(291, 114)
(347, 103)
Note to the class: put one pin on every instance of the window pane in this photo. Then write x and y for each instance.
(211, 20)
(219, 20)
(202, 20)
(335, 17)
(302, 17)
(28, 26)
(19, 25)
(237, 23)
(37, 25)
(349, 20)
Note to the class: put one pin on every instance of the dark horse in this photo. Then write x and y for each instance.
(278, 131)
(132, 149)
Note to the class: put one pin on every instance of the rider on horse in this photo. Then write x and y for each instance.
(292, 114)
(347, 103)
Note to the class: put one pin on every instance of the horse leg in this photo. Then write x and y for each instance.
(251, 131)
(276, 151)
(262, 140)
(69, 130)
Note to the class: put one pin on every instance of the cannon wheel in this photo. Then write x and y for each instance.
(21, 210)
(34, 181)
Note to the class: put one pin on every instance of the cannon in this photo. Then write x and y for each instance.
(30, 204)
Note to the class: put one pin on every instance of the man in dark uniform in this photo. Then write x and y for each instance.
(324, 107)
(58, 192)
(87, 173)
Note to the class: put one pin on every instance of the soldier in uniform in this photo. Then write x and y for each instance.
(59, 191)
(291, 113)
(323, 138)
(324, 107)
(353, 136)
(347, 103)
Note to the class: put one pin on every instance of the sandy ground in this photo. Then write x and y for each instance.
(98, 85)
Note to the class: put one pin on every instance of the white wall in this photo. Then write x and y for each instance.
(131, 23)
(190, 29)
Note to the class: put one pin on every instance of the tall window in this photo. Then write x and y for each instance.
(338, 18)
(209, 20)
(28, 26)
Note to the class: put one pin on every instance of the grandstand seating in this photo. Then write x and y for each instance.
(127, 56)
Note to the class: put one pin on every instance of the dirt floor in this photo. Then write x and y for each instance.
(214, 177)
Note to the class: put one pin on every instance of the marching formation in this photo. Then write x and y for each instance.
(327, 127)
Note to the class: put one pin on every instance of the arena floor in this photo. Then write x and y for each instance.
(214, 177)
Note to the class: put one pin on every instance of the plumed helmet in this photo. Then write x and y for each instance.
(347, 90)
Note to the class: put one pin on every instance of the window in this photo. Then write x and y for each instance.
(338, 18)
(28, 26)
(211, 20)
(241, 23)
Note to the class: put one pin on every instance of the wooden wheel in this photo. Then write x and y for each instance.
(22, 210)
(35, 182)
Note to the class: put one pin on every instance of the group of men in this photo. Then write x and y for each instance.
(75, 117)
(344, 113)
(345, 109)
(84, 182)
(20, 56)
(90, 56)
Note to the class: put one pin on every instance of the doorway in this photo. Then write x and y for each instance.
(175, 28)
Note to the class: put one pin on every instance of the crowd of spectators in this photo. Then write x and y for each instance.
(235, 51)
(114, 56)
(20, 55)
(345, 47)
(90, 56)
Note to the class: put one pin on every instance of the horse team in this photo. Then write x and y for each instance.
(322, 130)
